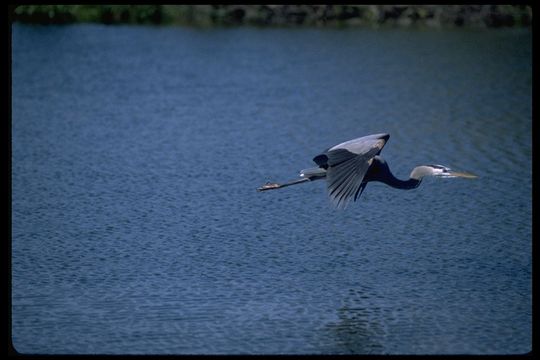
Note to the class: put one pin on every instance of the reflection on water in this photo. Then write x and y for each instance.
(359, 329)
(137, 228)
(355, 334)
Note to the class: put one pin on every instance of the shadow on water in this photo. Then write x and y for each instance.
(358, 329)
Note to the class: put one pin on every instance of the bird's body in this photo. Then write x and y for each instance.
(349, 166)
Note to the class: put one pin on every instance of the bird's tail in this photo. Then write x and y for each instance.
(313, 173)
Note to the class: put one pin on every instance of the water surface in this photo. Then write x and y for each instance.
(136, 227)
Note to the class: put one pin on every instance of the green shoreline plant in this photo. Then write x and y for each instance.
(279, 15)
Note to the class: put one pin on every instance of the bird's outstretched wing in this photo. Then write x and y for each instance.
(360, 190)
(345, 168)
(343, 178)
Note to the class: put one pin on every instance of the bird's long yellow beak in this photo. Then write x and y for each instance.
(462, 174)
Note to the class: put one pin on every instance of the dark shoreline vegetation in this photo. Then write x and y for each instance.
(280, 15)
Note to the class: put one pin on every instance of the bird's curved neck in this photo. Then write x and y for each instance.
(408, 184)
(390, 180)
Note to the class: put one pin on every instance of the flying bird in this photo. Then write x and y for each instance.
(348, 168)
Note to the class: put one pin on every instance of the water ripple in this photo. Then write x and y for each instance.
(137, 228)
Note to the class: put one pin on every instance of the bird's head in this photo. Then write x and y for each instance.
(439, 171)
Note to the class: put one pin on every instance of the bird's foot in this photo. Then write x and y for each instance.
(268, 186)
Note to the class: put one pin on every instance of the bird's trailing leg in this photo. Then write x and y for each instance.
(271, 186)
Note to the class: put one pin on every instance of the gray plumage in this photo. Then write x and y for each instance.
(349, 166)
(346, 165)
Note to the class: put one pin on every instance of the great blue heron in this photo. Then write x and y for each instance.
(349, 166)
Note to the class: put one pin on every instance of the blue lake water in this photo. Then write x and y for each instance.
(137, 229)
